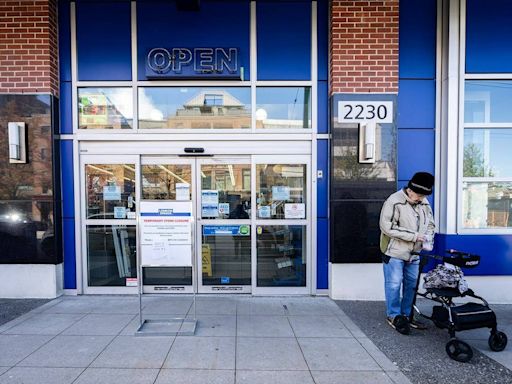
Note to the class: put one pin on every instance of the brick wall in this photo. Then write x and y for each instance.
(364, 46)
(28, 46)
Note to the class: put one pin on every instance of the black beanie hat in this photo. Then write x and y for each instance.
(422, 183)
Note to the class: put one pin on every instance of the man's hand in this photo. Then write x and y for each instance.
(421, 238)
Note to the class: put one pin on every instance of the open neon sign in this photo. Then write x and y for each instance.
(195, 62)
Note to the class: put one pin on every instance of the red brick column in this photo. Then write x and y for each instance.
(28, 46)
(364, 46)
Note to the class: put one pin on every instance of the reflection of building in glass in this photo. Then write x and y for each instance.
(208, 109)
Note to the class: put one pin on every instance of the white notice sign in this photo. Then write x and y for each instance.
(182, 191)
(295, 211)
(166, 233)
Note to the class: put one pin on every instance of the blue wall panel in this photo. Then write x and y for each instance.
(322, 38)
(284, 40)
(417, 36)
(416, 152)
(64, 41)
(66, 125)
(323, 107)
(488, 36)
(68, 228)
(416, 103)
(104, 40)
(322, 184)
(218, 24)
(495, 251)
(322, 272)
(68, 192)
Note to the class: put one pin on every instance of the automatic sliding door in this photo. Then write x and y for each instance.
(224, 210)
(167, 179)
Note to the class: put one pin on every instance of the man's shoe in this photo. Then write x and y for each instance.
(400, 323)
(417, 324)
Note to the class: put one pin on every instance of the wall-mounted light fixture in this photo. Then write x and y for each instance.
(17, 142)
(367, 141)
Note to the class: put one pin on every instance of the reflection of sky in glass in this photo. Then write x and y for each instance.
(159, 103)
(283, 102)
(488, 101)
(494, 145)
(121, 98)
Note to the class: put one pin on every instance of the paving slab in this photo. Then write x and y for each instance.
(99, 324)
(273, 377)
(67, 351)
(261, 306)
(196, 376)
(336, 354)
(318, 326)
(351, 377)
(264, 326)
(134, 352)
(117, 376)
(198, 352)
(45, 324)
(28, 375)
(274, 354)
(14, 348)
(215, 325)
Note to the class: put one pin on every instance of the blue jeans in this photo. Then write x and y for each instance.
(400, 275)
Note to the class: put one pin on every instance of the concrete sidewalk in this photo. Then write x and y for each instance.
(239, 339)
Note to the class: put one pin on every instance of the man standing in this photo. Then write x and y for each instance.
(407, 226)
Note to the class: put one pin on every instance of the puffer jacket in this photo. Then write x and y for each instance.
(401, 222)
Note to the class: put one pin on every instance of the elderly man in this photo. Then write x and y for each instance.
(407, 226)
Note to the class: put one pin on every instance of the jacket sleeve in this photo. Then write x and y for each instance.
(431, 226)
(389, 224)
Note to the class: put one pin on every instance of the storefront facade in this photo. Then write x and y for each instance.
(284, 124)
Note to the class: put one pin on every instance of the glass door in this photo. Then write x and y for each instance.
(224, 235)
(109, 223)
(170, 179)
(281, 245)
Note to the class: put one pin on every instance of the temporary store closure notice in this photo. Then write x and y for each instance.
(166, 233)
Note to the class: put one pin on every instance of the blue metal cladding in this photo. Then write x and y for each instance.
(67, 179)
(323, 107)
(284, 40)
(68, 229)
(218, 24)
(416, 152)
(103, 34)
(64, 41)
(66, 125)
(322, 184)
(322, 38)
(488, 36)
(322, 250)
(416, 103)
(494, 250)
(417, 36)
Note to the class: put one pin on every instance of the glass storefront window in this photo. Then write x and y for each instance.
(166, 182)
(226, 255)
(224, 194)
(281, 255)
(281, 191)
(487, 205)
(110, 191)
(283, 107)
(487, 101)
(194, 107)
(487, 152)
(105, 108)
(111, 251)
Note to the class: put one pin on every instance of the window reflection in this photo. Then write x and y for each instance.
(193, 107)
(487, 152)
(110, 191)
(105, 108)
(281, 253)
(487, 101)
(281, 192)
(166, 182)
(487, 205)
(225, 193)
(283, 107)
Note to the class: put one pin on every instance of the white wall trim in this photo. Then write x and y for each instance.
(23, 281)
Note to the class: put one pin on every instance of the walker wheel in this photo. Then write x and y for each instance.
(497, 341)
(459, 350)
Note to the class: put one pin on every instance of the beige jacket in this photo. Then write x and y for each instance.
(401, 222)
